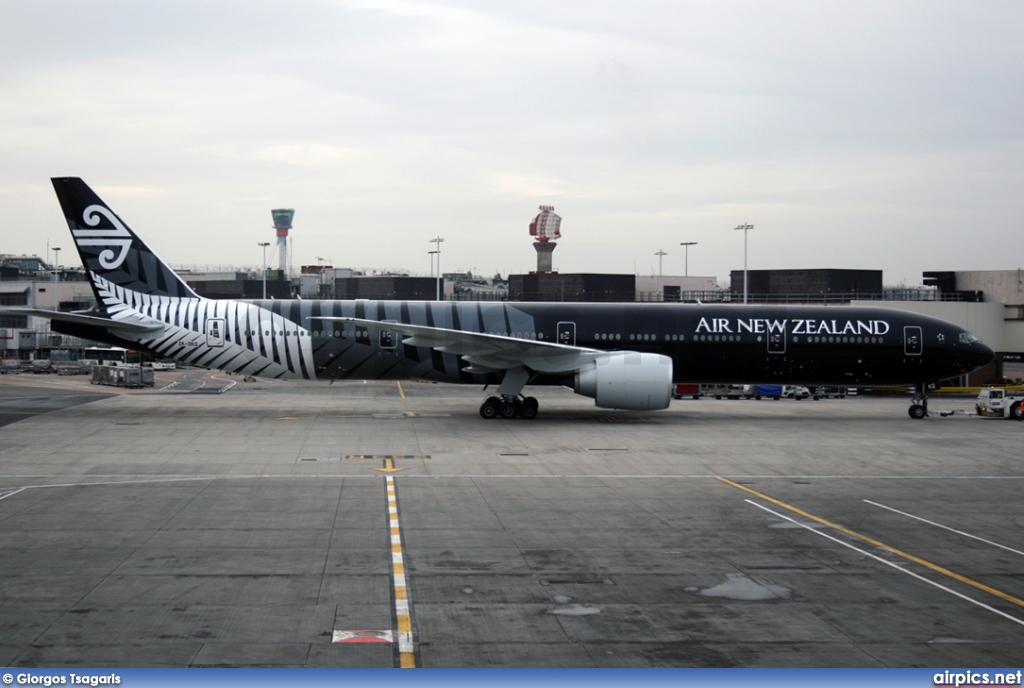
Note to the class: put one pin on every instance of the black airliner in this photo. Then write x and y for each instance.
(624, 356)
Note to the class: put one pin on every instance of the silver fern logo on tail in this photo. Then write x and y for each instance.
(118, 238)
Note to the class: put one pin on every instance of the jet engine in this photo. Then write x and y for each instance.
(627, 380)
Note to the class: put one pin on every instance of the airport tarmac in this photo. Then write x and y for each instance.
(222, 523)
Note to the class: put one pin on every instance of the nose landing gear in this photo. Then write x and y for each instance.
(919, 405)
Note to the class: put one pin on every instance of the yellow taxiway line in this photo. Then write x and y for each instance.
(403, 605)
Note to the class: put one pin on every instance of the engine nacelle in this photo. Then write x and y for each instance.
(627, 380)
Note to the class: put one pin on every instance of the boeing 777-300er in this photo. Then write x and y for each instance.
(623, 355)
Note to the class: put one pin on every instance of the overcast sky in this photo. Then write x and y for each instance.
(870, 134)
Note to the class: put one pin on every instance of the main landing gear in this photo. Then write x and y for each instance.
(919, 405)
(509, 407)
(510, 402)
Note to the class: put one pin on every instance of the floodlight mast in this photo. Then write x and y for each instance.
(661, 254)
(264, 245)
(686, 256)
(746, 228)
(56, 272)
(438, 240)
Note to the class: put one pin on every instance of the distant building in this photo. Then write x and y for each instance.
(675, 288)
(27, 337)
(826, 284)
(388, 287)
(1005, 286)
(572, 287)
(244, 289)
(24, 263)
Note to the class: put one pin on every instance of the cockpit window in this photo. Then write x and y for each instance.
(968, 338)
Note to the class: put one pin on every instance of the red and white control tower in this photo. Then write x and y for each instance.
(545, 227)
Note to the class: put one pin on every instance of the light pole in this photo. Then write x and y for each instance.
(56, 300)
(438, 240)
(686, 253)
(745, 228)
(320, 278)
(431, 254)
(660, 253)
(264, 244)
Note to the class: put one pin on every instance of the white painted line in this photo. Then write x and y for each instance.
(12, 492)
(889, 563)
(231, 383)
(952, 530)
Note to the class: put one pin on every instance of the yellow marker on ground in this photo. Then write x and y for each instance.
(403, 605)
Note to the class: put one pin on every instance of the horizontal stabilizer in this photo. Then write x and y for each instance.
(136, 325)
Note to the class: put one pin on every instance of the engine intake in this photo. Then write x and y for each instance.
(627, 380)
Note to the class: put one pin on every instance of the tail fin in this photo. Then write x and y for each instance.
(109, 249)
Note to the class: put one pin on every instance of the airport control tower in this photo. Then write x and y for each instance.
(545, 227)
(283, 224)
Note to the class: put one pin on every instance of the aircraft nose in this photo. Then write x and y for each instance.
(980, 354)
(985, 354)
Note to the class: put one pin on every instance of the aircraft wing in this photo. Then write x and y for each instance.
(134, 326)
(489, 351)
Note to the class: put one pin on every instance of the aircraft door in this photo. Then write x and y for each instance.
(567, 333)
(913, 340)
(777, 342)
(215, 332)
(388, 338)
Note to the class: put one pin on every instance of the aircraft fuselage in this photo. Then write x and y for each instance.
(707, 343)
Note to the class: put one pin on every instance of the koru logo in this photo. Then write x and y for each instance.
(118, 238)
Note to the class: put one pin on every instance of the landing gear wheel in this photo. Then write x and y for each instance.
(489, 409)
(509, 410)
(919, 404)
(529, 409)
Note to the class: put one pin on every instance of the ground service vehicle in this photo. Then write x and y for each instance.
(773, 391)
(1000, 402)
(683, 389)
